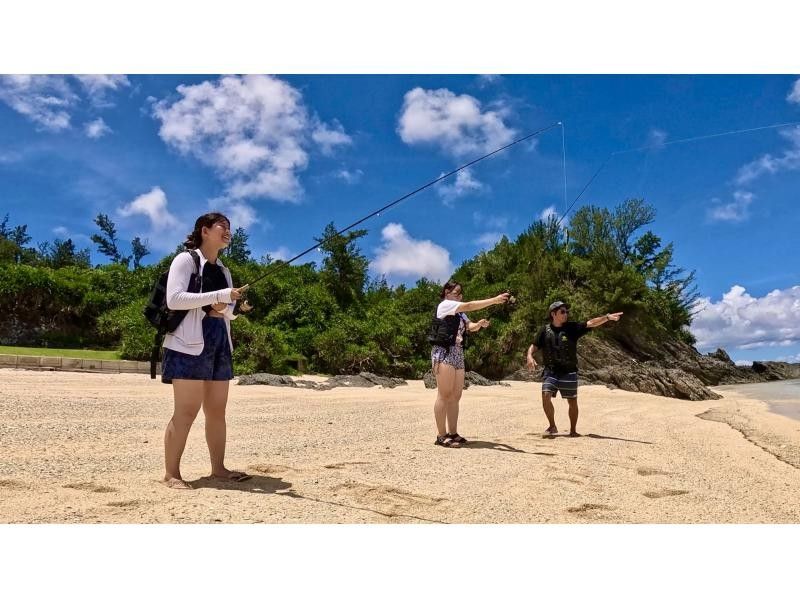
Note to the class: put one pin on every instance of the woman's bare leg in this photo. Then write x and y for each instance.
(455, 398)
(215, 400)
(188, 398)
(445, 376)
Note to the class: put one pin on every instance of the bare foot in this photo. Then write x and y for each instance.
(574, 435)
(551, 431)
(176, 484)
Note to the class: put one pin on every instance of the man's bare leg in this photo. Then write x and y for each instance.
(549, 411)
(573, 417)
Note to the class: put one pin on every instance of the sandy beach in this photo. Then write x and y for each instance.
(82, 448)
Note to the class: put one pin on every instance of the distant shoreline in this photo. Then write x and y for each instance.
(780, 396)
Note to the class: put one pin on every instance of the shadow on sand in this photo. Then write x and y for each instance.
(258, 484)
(614, 438)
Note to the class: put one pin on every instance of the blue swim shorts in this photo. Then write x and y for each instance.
(214, 363)
(566, 384)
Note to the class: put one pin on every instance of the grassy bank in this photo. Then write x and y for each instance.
(40, 351)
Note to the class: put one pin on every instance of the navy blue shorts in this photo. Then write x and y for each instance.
(214, 363)
(566, 384)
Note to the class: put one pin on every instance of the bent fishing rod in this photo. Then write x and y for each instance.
(272, 270)
(664, 144)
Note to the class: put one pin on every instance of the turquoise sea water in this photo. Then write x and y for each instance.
(782, 397)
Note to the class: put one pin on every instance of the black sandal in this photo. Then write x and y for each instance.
(457, 438)
(444, 441)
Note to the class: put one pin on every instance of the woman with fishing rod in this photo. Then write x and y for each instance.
(198, 353)
(448, 335)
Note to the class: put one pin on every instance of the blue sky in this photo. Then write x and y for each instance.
(286, 155)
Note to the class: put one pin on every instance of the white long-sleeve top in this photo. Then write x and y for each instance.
(188, 336)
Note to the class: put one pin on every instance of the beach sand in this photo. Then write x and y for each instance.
(81, 448)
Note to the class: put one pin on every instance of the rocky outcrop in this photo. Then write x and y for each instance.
(363, 380)
(470, 379)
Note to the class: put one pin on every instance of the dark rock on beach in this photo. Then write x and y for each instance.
(470, 378)
(363, 380)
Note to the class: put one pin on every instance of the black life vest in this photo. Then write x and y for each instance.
(444, 331)
(557, 350)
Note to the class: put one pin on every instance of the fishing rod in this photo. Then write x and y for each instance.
(272, 270)
(663, 144)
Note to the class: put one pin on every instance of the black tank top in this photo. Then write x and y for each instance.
(213, 280)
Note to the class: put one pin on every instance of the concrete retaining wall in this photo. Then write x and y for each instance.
(76, 364)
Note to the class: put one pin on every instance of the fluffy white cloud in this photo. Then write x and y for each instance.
(61, 232)
(456, 124)
(96, 129)
(734, 211)
(281, 253)
(741, 321)
(769, 164)
(49, 100)
(351, 177)
(153, 205)
(330, 137)
(98, 87)
(238, 212)
(548, 212)
(253, 130)
(488, 239)
(464, 183)
(402, 255)
(44, 99)
(794, 94)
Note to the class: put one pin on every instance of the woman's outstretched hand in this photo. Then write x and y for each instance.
(502, 298)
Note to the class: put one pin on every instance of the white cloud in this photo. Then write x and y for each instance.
(789, 358)
(741, 321)
(49, 100)
(153, 205)
(61, 231)
(99, 86)
(735, 211)
(96, 129)
(254, 131)
(281, 253)
(656, 138)
(794, 94)
(489, 239)
(455, 124)
(465, 183)
(548, 212)
(44, 99)
(402, 255)
(769, 164)
(487, 80)
(329, 137)
(240, 213)
(351, 177)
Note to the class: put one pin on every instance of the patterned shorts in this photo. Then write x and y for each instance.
(214, 363)
(453, 356)
(566, 384)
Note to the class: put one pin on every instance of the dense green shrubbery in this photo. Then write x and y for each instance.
(334, 320)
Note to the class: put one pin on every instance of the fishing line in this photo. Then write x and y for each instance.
(271, 270)
(663, 144)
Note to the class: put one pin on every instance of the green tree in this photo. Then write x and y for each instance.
(344, 269)
(139, 250)
(107, 241)
(238, 251)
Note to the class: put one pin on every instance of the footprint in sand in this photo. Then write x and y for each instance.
(650, 471)
(269, 468)
(90, 487)
(392, 500)
(124, 503)
(12, 484)
(664, 493)
(589, 507)
(344, 464)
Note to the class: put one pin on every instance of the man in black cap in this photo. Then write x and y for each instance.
(558, 341)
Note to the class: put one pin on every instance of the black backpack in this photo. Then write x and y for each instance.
(160, 316)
